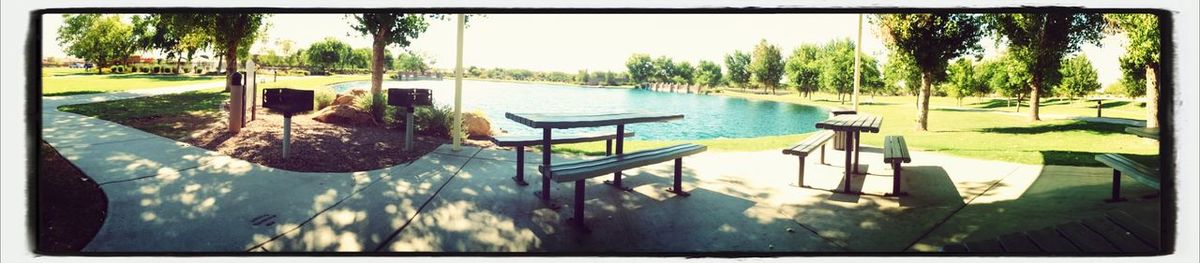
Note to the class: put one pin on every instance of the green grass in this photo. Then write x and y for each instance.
(97, 83)
(205, 104)
(58, 72)
(983, 135)
(1115, 108)
(314, 82)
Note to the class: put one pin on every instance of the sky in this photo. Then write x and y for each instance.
(572, 42)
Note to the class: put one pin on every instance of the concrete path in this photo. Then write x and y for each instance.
(168, 196)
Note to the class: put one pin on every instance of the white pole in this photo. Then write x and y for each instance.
(457, 127)
(857, 63)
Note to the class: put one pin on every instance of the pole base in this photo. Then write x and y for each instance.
(679, 192)
(520, 182)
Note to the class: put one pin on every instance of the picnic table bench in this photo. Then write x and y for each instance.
(577, 172)
(1116, 233)
(808, 145)
(895, 151)
(519, 142)
(852, 125)
(1124, 166)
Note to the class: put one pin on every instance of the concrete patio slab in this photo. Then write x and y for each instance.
(118, 161)
(364, 221)
(220, 206)
(64, 130)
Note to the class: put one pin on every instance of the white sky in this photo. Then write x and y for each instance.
(571, 42)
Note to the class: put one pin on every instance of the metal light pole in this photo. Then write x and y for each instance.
(457, 127)
(857, 63)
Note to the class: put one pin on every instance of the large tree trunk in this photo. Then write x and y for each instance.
(230, 64)
(1034, 98)
(923, 101)
(1151, 96)
(377, 73)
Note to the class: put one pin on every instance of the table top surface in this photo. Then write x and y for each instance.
(852, 122)
(1151, 133)
(579, 120)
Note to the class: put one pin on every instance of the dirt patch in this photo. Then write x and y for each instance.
(316, 146)
(71, 206)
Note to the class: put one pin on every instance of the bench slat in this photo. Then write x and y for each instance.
(1051, 241)
(1018, 242)
(895, 149)
(592, 168)
(1085, 239)
(1133, 169)
(1120, 238)
(518, 140)
(1142, 232)
(985, 246)
(810, 143)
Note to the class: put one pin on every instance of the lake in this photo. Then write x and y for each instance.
(705, 116)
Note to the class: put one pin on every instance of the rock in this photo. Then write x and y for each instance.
(344, 115)
(477, 124)
(358, 92)
(343, 100)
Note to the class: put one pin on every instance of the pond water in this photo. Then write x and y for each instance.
(705, 116)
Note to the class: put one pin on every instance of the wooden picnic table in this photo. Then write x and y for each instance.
(1151, 133)
(548, 121)
(852, 125)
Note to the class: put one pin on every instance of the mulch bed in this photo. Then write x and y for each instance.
(316, 146)
(71, 206)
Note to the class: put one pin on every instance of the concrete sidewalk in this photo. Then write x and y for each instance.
(171, 197)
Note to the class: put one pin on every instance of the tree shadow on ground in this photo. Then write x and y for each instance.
(69, 93)
(998, 103)
(1074, 158)
(1112, 104)
(160, 77)
(1099, 128)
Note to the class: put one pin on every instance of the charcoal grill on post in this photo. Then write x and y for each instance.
(287, 102)
(409, 99)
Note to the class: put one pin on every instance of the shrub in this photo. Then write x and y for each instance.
(186, 70)
(155, 69)
(116, 69)
(144, 69)
(323, 98)
(434, 121)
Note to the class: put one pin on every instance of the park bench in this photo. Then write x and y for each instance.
(579, 171)
(520, 142)
(808, 145)
(1115, 232)
(1124, 166)
(895, 151)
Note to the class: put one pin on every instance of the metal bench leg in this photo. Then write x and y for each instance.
(800, 179)
(849, 143)
(520, 178)
(1116, 188)
(856, 150)
(678, 187)
(616, 181)
(896, 180)
(607, 147)
(578, 219)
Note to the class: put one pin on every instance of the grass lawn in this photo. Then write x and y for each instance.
(85, 83)
(137, 113)
(983, 135)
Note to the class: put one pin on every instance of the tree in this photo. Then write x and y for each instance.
(766, 65)
(901, 75)
(664, 69)
(386, 29)
(582, 77)
(100, 39)
(411, 62)
(837, 67)
(231, 33)
(683, 73)
(1041, 40)
(1140, 62)
(361, 58)
(708, 74)
(1079, 78)
(930, 41)
(1008, 76)
(640, 67)
(735, 65)
(327, 53)
(963, 79)
(803, 69)
(285, 47)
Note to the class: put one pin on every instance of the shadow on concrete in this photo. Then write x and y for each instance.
(1089, 158)
(1099, 128)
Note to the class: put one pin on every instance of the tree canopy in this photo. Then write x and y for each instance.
(1040, 41)
(766, 65)
(735, 65)
(1079, 78)
(640, 67)
(100, 39)
(803, 68)
(708, 74)
(1139, 64)
(930, 40)
(328, 53)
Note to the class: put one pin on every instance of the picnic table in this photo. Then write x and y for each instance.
(549, 121)
(852, 125)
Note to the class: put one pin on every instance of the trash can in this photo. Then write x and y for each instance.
(839, 137)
